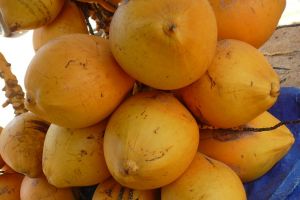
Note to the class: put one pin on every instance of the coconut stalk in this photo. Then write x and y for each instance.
(13, 91)
(99, 14)
(250, 129)
(3, 27)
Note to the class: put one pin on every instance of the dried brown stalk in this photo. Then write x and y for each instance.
(288, 25)
(102, 17)
(101, 13)
(4, 27)
(13, 91)
(250, 129)
(85, 9)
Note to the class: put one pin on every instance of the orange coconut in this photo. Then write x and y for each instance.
(150, 140)
(238, 86)
(251, 21)
(10, 186)
(205, 178)
(21, 144)
(74, 157)
(164, 44)
(74, 81)
(29, 14)
(249, 154)
(70, 20)
(40, 189)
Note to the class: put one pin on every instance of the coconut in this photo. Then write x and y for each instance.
(150, 140)
(164, 44)
(239, 85)
(205, 178)
(74, 157)
(21, 144)
(74, 81)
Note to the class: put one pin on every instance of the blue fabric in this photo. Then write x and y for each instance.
(282, 182)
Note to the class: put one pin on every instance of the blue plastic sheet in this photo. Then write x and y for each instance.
(282, 182)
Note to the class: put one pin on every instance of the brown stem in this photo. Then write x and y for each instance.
(140, 87)
(250, 129)
(111, 4)
(288, 25)
(104, 18)
(101, 12)
(13, 91)
(108, 5)
(4, 27)
(84, 7)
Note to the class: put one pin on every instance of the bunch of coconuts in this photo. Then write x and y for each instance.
(150, 112)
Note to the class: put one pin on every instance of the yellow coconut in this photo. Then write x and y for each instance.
(29, 14)
(150, 140)
(251, 21)
(70, 20)
(10, 186)
(249, 154)
(205, 179)
(112, 190)
(74, 81)
(165, 44)
(74, 157)
(238, 86)
(40, 189)
(21, 144)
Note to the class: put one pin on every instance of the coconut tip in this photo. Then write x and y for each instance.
(130, 167)
(275, 90)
